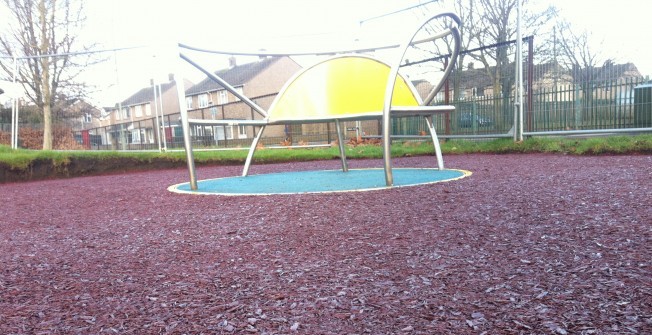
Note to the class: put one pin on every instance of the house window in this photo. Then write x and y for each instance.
(203, 100)
(148, 109)
(125, 113)
(239, 90)
(138, 110)
(87, 118)
(189, 102)
(223, 132)
(199, 131)
(135, 136)
(242, 131)
(223, 98)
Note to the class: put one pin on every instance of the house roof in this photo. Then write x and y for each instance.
(609, 71)
(146, 95)
(479, 77)
(235, 76)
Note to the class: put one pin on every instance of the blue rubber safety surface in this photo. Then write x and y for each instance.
(321, 181)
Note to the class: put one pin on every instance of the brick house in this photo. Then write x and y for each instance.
(133, 121)
(259, 81)
(474, 83)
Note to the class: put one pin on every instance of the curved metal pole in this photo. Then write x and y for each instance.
(324, 52)
(187, 139)
(435, 142)
(449, 68)
(389, 92)
(252, 149)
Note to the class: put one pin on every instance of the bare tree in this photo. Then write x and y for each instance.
(496, 24)
(577, 56)
(42, 33)
(469, 15)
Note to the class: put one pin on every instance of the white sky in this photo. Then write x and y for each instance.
(618, 28)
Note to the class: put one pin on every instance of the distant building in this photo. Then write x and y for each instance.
(259, 81)
(476, 82)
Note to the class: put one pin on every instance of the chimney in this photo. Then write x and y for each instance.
(232, 63)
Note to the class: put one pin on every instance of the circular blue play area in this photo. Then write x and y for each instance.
(321, 181)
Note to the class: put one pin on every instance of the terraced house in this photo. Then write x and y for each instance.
(260, 81)
(132, 124)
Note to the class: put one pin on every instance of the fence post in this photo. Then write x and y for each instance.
(578, 107)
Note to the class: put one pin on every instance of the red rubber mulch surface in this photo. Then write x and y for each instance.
(529, 244)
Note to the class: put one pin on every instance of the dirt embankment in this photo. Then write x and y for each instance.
(40, 169)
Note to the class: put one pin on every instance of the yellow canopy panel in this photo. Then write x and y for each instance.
(342, 87)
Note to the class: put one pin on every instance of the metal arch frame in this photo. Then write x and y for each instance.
(393, 74)
(386, 112)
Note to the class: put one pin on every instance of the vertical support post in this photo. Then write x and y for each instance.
(14, 110)
(340, 140)
(160, 103)
(518, 103)
(358, 130)
(530, 81)
(447, 101)
(157, 124)
(387, 135)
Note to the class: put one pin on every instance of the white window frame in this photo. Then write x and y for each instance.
(87, 118)
(199, 130)
(203, 100)
(148, 109)
(223, 97)
(135, 136)
(242, 131)
(125, 113)
(189, 102)
(138, 111)
(223, 132)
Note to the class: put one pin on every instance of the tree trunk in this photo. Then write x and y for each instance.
(47, 127)
(45, 78)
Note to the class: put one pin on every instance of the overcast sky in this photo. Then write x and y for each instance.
(618, 29)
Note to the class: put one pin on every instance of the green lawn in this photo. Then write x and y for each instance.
(21, 164)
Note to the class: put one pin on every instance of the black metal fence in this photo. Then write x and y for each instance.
(611, 106)
(612, 96)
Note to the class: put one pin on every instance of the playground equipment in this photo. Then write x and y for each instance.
(346, 87)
